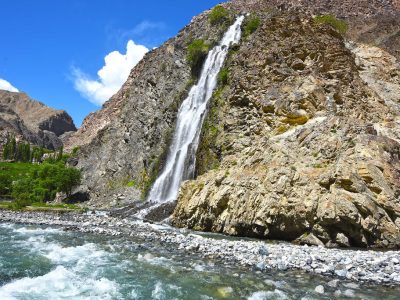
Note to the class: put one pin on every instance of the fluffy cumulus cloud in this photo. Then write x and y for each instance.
(111, 76)
(5, 85)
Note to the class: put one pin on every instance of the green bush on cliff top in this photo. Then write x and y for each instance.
(331, 20)
(218, 15)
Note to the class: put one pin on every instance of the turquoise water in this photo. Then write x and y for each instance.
(38, 262)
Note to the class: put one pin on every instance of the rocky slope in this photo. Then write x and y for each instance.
(32, 121)
(301, 143)
(123, 145)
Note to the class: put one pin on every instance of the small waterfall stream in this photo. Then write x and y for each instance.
(181, 159)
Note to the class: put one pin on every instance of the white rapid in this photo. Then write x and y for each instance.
(181, 160)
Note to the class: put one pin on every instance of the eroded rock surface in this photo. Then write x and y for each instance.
(302, 142)
(123, 145)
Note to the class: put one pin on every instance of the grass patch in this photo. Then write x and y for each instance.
(331, 20)
(218, 15)
(59, 205)
(17, 170)
(38, 206)
(223, 76)
(196, 54)
(250, 25)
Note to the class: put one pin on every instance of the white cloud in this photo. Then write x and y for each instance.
(145, 26)
(111, 76)
(5, 85)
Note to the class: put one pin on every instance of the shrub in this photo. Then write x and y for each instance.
(250, 26)
(218, 15)
(68, 178)
(331, 20)
(223, 76)
(196, 53)
(5, 184)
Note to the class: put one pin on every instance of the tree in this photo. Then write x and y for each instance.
(5, 184)
(67, 179)
(37, 154)
(10, 148)
(23, 152)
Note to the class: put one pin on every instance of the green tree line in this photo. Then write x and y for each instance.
(23, 152)
(38, 184)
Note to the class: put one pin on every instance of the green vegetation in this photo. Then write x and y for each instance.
(218, 15)
(14, 151)
(209, 151)
(331, 20)
(223, 76)
(196, 53)
(250, 25)
(24, 152)
(39, 206)
(28, 183)
(121, 182)
(131, 183)
(5, 184)
(61, 205)
(75, 151)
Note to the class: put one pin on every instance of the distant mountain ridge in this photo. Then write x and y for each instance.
(32, 121)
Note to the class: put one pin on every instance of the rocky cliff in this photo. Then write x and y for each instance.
(32, 121)
(123, 145)
(301, 141)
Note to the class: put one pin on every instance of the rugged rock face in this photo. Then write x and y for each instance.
(123, 145)
(32, 121)
(375, 22)
(302, 142)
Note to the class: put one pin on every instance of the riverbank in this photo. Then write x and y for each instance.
(351, 267)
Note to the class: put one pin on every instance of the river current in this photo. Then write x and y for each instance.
(39, 262)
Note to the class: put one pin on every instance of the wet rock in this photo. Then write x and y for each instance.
(320, 289)
(333, 283)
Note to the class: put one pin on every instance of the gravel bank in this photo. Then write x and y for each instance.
(362, 266)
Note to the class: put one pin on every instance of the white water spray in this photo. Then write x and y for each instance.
(181, 160)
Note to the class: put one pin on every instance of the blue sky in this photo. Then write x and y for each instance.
(52, 50)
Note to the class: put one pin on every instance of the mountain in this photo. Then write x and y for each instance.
(302, 137)
(32, 121)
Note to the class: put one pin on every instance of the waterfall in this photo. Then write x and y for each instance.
(181, 159)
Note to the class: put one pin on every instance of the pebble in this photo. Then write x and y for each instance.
(333, 283)
(349, 293)
(320, 289)
(350, 267)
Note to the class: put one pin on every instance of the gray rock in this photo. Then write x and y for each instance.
(333, 283)
(319, 289)
(262, 250)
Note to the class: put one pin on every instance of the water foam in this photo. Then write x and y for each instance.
(60, 283)
(264, 295)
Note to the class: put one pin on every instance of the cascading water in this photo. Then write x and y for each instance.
(180, 163)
